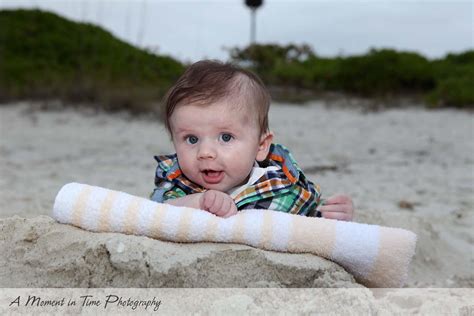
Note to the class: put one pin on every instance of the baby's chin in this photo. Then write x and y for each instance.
(217, 187)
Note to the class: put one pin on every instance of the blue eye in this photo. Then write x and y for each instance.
(191, 139)
(226, 137)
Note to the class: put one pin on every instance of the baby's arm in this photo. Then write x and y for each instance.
(215, 202)
(191, 200)
(339, 207)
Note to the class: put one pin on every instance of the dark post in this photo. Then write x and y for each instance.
(253, 5)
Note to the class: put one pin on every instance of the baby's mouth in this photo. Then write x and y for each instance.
(210, 172)
(212, 176)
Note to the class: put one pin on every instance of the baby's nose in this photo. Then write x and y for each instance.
(207, 151)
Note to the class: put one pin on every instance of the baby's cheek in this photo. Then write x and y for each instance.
(187, 168)
(243, 171)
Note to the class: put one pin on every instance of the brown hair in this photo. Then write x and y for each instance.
(209, 81)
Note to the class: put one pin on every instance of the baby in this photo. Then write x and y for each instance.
(225, 161)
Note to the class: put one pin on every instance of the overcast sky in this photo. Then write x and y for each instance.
(191, 30)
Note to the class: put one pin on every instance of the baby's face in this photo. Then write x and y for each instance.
(216, 144)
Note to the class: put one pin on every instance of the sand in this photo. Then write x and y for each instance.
(411, 167)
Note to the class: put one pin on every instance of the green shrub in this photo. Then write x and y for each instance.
(379, 73)
(454, 81)
(385, 72)
(453, 91)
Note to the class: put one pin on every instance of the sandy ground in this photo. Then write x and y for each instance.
(409, 168)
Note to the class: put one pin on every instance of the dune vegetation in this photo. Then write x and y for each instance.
(381, 73)
(45, 56)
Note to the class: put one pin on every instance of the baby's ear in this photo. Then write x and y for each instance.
(264, 146)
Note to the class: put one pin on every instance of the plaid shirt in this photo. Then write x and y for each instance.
(285, 189)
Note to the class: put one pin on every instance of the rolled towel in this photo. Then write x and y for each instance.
(377, 256)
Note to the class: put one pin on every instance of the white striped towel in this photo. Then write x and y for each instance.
(377, 256)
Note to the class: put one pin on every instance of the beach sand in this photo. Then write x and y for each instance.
(411, 168)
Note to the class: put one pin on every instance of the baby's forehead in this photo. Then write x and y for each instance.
(222, 114)
(242, 109)
(239, 104)
(234, 110)
(236, 103)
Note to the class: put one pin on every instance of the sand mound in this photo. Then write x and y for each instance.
(39, 252)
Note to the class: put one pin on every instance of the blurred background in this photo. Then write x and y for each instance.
(375, 99)
(126, 53)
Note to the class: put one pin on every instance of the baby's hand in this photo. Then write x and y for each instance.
(338, 207)
(218, 203)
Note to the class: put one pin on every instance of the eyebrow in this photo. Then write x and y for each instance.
(182, 130)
